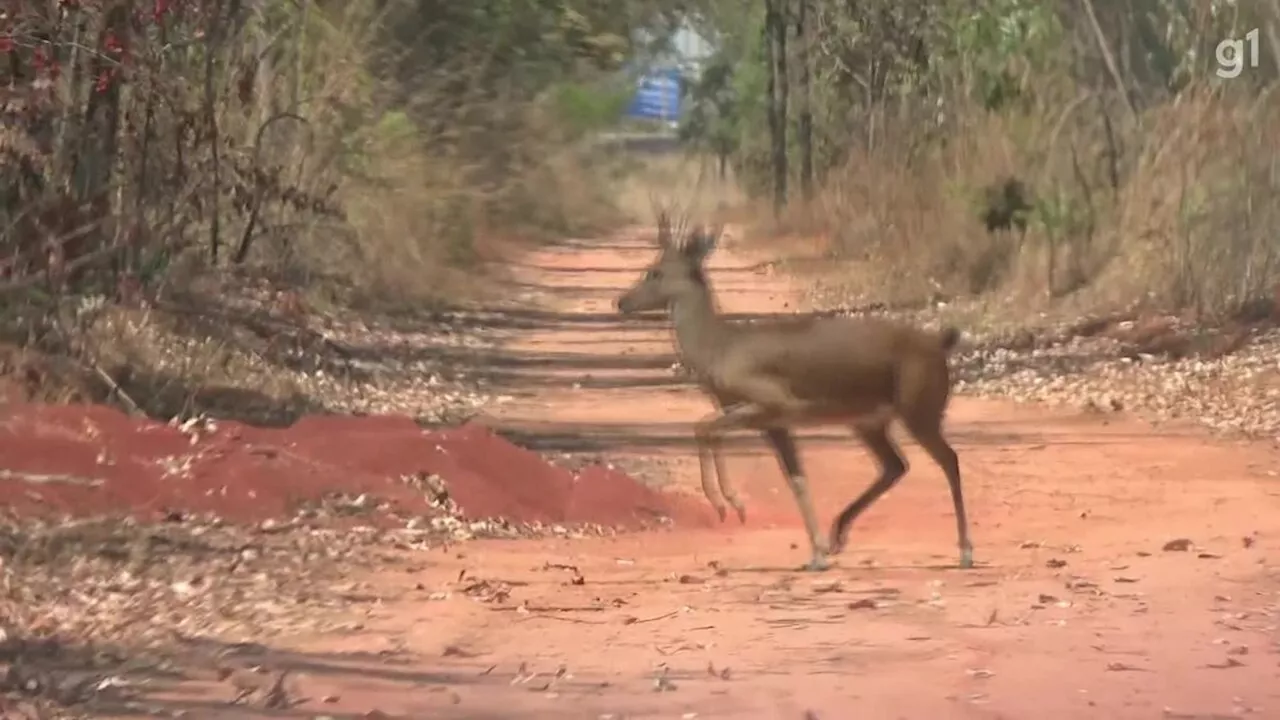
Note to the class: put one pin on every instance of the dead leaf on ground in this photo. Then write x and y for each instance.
(724, 673)
(1177, 545)
(277, 696)
(662, 684)
(1117, 666)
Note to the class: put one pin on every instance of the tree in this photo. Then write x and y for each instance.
(775, 32)
(805, 91)
(711, 122)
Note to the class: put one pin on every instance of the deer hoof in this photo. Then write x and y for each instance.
(819, 563)
(722, 512)
(742, 513)
(837, 544)
(966, 559)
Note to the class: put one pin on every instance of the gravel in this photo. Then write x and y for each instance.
(1224, 378)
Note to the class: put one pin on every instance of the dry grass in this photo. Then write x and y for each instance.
(407, 192)
(689, 181)
(1189, 225)
(1148, 279)
(416, 204)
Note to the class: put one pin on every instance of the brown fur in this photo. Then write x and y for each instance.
(778, 375)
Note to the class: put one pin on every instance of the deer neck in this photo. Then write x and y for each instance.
(699, 331)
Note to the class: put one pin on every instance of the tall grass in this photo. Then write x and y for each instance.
(1174, 209)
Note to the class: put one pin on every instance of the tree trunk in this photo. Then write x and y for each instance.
(805, 126)
(775, 30)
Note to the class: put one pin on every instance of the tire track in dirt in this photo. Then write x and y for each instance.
(1074, 611)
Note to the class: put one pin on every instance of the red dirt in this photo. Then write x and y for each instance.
(1074, 610)
(148, 469)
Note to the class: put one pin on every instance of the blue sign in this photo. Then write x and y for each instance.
(657, 96)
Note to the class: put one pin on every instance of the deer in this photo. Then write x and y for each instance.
(797, 371)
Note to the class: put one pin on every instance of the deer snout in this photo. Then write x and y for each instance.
(637, 300)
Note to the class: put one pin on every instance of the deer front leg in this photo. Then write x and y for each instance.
(727, 490)
(784, 446)
(708, 432)
(708, 455)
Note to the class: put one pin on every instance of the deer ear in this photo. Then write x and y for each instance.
(702, 243)
(664, 230)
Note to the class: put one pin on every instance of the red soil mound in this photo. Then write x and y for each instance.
(82, 460)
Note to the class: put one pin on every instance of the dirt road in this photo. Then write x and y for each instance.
(1076, 609)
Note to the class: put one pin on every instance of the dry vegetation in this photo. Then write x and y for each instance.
(252, 211)
(1184, 224)
(256, 210)
(687, 178)
(201, 203)
(1071, 182)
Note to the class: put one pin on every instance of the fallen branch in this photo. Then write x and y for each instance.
(50, 478)
(579, 621)
(114, 389)
(550, 609)
(664, 616)
(33, 279)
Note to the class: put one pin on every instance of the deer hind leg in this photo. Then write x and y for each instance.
(928, 433)
(892, 467)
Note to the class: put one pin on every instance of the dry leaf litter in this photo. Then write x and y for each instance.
(89, 606)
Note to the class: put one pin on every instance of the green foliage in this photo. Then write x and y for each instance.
(582, 107)
(521, 46)
(930, 59)
(999, 44)
(712, 120)
(1060, 213)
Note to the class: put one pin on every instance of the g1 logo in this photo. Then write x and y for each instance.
(1231, 57)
